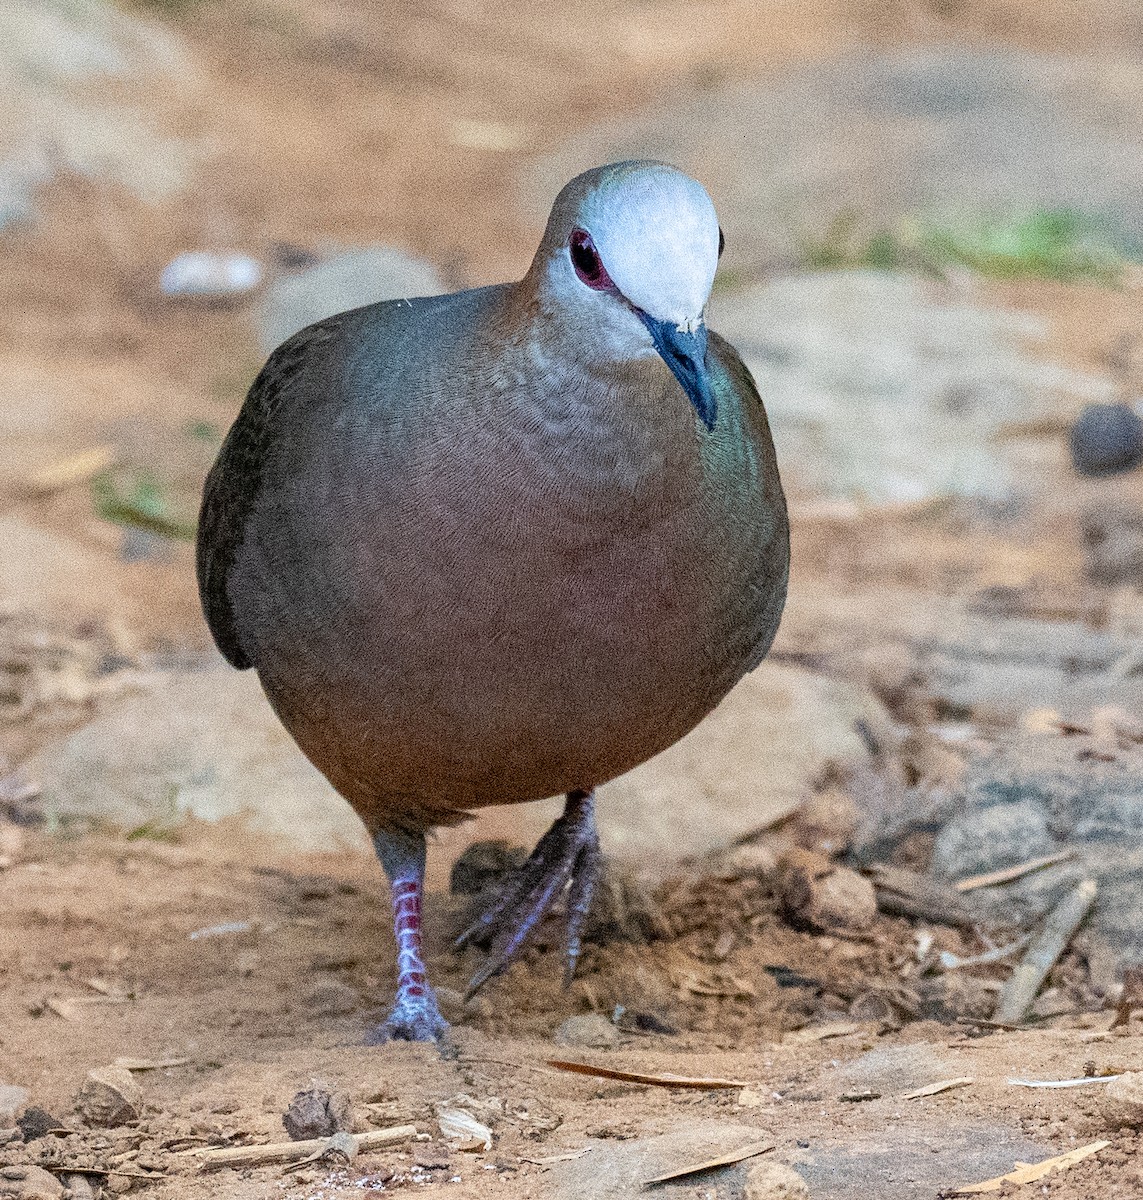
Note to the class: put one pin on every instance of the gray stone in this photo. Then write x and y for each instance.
(998, 837)
(58, 119)
(612, 1171)
(1041, 793)
(591, 1030)
(206, 744)
(889, 388)
(946, 130)
(29, 1182)
(199, 744)
(891, 1072)
(907, 1160)
(109, 1096)
(354, 278)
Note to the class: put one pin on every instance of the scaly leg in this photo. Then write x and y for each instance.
(414, 1016)
(567, 854)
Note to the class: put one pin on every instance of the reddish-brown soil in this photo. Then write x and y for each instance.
(333, 120)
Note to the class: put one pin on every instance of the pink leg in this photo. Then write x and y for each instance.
(414, 1016)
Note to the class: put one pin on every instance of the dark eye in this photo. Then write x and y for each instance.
(721, 241)
(585, 258)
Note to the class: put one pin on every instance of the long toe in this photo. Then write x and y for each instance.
(567, 853)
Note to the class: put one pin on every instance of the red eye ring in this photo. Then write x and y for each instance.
(588, 265)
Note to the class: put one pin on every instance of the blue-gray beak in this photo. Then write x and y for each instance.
(685, 354)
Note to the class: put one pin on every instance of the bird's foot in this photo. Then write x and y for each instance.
(568, 854)
(412, 1019)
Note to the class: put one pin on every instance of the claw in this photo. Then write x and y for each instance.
(567, 853)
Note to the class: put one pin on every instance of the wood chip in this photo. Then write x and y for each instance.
(1008, 874)
(820, 1033)
(934, 1089)
(723, 1160)
(1032, 1172)
(700, 1082)
(285, 1152)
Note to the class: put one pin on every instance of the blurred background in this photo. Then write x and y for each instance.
(934, 222)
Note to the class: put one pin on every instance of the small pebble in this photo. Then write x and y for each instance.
(824, 896)
(769, 1180)
(206, 275)
(591, 1031)
(1107, 439)
(316, 1112)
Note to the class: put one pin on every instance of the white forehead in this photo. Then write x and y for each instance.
(657, 233)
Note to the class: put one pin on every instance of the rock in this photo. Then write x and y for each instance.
(316, 1112)
(957, 129)
(827, 897)
(1107, 439)
(751, 762)
(770, 1180)
(59, 120)
(617, 1169)
(209, 275)
(1123, 1100)
(37, 1123)
(29, 1183)
(1037, 794)
(356, 277)
(892, 1071)
(845, 351)
(999, 836)
(78, 1187)
(484, 864)
(231, 757)
(590, 1031)
(12, 1101)
(109, 1096)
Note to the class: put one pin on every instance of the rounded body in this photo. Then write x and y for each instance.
(468, 575)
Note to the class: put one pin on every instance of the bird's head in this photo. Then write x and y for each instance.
(628, 258)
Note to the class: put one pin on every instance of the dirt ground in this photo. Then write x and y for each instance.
(335, 116)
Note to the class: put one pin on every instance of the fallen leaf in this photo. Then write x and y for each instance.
(723, 1160)
(701, 1082)
(463, 1128)
(1032, 1172)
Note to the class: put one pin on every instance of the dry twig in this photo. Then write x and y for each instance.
(1045, 948)
(286, 1152)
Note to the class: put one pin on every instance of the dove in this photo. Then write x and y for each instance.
(504, 544)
